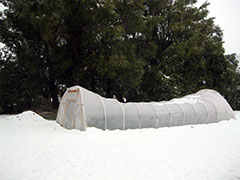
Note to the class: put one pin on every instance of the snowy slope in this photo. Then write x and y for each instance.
(34, 148)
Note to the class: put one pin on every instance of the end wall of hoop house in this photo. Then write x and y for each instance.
(81, 108)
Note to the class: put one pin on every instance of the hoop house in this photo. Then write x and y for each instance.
(81, 108)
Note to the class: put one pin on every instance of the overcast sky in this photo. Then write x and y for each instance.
(227, 13)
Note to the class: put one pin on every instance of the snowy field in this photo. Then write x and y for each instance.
(34, 148)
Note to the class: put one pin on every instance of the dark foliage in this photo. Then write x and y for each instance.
(146, 50)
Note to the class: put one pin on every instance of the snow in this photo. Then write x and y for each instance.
(34, 148)
(190, 99)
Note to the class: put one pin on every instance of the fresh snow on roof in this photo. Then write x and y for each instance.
(34, 148)
(191, 99)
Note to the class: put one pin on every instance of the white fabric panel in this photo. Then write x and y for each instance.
(78, 122)
(93, 109)
(148, 117)
(189, 114)
(228, 113)
(139, 116)
(114, 114)
(218, 102)
(131, 115)
(123, 115)
(156, 114)
(176, 115)
(201, 113)
(163, 115)
(211, 110)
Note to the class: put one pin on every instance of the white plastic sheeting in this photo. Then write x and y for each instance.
(81, 108)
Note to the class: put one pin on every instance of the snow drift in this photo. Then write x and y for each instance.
(35, 148)
(81, 108)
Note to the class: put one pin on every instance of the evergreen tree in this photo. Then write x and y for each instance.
(22, 31)
(139, 50)
(189, 55)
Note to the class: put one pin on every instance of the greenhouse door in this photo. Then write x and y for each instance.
(75, 110)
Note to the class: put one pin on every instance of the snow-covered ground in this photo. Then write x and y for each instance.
(34, 148)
